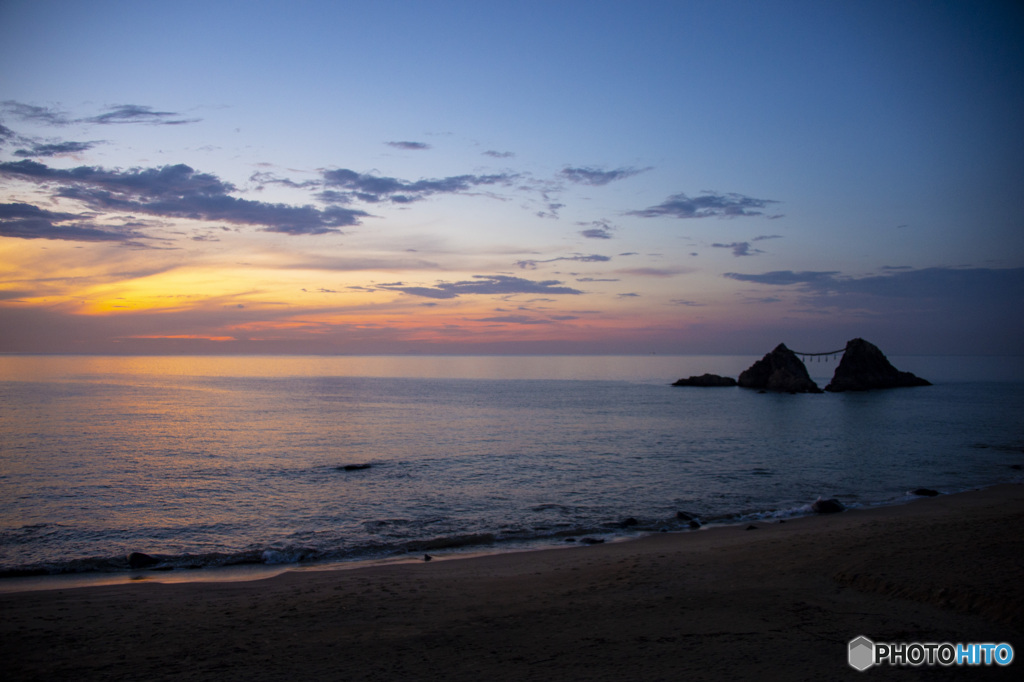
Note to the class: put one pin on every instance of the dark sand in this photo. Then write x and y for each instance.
(778, 602)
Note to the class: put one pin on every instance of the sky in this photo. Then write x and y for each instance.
(559, 177)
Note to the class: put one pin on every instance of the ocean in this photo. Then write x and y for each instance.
(210, 462)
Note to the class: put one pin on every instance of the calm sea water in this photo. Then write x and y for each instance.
(220, 461)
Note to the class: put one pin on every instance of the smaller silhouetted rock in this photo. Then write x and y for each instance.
(751, 527)
(694, 523)
(592, 541)
(140, 560)
(832, 506)
(353, 467)
(925, 492)
(706, 381)
(864, 367)
(427, 557)
(626, 523)
(780, 370)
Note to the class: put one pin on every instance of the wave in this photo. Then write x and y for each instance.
(396, 545)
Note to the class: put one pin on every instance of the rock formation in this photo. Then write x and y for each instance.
(864, 367)
(780, 370)
(706, 380)
(924, 492)
(138, 560)
(832, 506)
(353, 467)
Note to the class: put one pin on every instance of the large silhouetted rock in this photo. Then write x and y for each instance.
(780, 370)
(864, 368)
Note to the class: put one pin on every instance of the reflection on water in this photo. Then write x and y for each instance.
(641, 369)
(228, 460)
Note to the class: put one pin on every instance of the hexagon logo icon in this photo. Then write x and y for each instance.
(862, 653)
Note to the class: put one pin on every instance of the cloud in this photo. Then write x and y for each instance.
(687, 303)
(655, 272)
(30, 112)
(25, 221)
(121, 113)
(6, 134)
(975, 284)
(134, 113)
(162, 182)
(361, 263)
(706, 205)
(179, 192)
(411, 146)
(262, 178)
(976, 310)
(739, 248)
(597, 177)
(498, 155)
(551, 211)
(601, 230)
(593, 258)
(500, 285)
(375, 189)
(787, 277)
(515, 319)
(39, 149)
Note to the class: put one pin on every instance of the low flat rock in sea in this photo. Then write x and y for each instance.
(353, 467)
(706, 381)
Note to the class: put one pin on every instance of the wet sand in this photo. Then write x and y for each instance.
(777, 602)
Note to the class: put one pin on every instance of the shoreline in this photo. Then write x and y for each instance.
(251, 571)
(781, 600)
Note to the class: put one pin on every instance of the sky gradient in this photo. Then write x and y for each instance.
(531, 177)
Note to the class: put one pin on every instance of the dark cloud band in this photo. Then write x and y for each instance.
(596, 176)
(500, 285)
(707, 205)
(348, 185)
(180, 192)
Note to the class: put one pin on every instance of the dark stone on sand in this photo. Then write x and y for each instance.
(592, 541)
(140, 560)
(353, 467)
(695, 524)
(626, 523)
(925, 492)
(832, 506)
(864, 367)
(706, 381)
(751, 527)
(780, 370)
(427, 557)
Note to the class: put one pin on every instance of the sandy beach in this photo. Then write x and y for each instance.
(779, 601)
